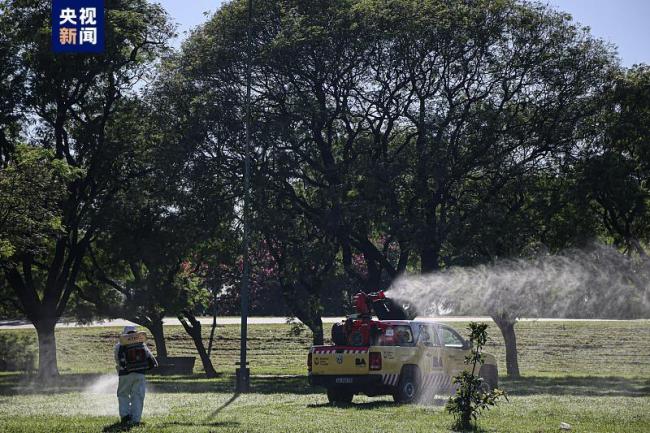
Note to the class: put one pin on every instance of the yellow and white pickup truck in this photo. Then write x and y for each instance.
(411, 359)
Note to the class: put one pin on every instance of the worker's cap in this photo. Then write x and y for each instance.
(128, 329)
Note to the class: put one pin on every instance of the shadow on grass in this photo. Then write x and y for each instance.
(201, 424)
(593, 386)
(16, 384)
(376, 404)
(117, 427)
(230, 401)
(473, 429)
(19, 384)
(259, 385)
(359, 406)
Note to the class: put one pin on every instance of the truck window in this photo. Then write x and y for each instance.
(398, 335)
(404, 336)
(427, 336)
(450, 338)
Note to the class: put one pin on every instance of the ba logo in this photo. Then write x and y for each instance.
(78, 26)
(360, 362)
(339, 358)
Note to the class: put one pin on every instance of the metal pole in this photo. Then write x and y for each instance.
(243, 372)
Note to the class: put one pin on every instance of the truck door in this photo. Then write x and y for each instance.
(454, 350)
(429, 344)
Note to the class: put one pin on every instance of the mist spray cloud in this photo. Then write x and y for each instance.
(596, 282)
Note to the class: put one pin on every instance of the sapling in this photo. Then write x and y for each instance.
(473, 394)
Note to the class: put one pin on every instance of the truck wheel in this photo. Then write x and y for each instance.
(408, 388)
(490, 375)
(338, 395)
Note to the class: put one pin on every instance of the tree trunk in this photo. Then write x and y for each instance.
(374, 274)
(193, 328)
(214, 324)
(307, 311)
(317, 330)
(315, 324)
(507, 328)
(156, 329)
(47, 365)
(429, 256)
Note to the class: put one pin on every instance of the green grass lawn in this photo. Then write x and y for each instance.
(594, 376)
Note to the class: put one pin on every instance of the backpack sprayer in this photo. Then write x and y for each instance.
(132, 354)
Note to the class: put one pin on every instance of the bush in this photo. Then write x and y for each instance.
(472, 394)
(17, 352)
(297, 328)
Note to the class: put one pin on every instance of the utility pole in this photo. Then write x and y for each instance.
(243, 372)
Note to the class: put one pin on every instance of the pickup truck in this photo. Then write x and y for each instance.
(412, 358)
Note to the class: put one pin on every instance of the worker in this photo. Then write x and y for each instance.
(132, 358)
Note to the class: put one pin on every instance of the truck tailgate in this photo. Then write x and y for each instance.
(339, 360)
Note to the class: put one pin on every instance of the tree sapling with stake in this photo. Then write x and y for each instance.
(473, 394)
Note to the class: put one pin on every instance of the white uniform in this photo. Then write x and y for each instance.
(131, 388)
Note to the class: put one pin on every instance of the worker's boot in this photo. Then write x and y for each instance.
(125, 419)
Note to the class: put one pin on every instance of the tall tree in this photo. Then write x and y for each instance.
(493, 88)
(68, 103)
(615, 174)
(535, 212)
(179, 208)
(33, 185)
(380, 121)
(11, 86)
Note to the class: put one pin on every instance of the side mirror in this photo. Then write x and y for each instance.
(467, 344)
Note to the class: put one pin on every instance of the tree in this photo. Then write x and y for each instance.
(178, 210)
(33, 185)
(193, 328)
(68, 103)
(11, 80)
(537, 211)
(286, 154)
(379, 125)
(385, 137)
(302, 260)
(477, 111)
(145, 273)
(615, 173)
(134, 274)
